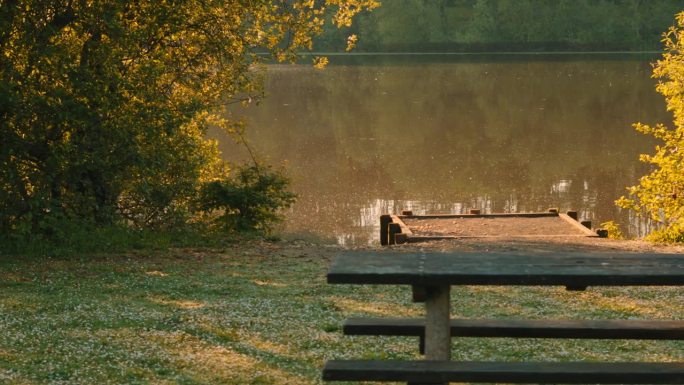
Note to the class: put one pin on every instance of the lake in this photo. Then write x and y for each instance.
(370, 135)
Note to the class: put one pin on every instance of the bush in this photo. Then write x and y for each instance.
(670, 234)
(613, 229)
(660, 194)
(249, 201)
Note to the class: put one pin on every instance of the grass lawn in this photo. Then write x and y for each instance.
(260, 313)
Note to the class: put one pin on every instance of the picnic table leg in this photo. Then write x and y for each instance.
(437, 328)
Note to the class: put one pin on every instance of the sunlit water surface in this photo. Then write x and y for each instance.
(442, 134)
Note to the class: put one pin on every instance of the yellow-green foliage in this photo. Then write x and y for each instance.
(104, 104)
(660, 194)
(613, 229)
(670, 234)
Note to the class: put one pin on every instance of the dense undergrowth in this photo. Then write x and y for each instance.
(77, 240)
(245, 206)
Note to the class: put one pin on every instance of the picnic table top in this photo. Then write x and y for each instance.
(468, 268)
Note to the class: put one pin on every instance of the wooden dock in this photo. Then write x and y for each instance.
(410, 228)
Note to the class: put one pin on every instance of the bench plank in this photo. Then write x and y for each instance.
(587, 329)
(506, 372)
(484, 268)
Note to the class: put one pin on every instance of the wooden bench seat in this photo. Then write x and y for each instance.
(506, 372)
(588, 329)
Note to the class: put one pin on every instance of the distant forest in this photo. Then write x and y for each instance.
(508, 25)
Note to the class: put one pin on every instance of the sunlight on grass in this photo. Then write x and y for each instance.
(12, 277)
(9, 378)
(156, 273)
(183, 304)
(622, 304)
(257, 342)
(207, 327)
(199, 361)
(232, 318)
(626, 305)
(4, 355)
(350, 306)
(268, 283)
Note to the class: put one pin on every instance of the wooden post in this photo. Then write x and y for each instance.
(437, 328)
(384, 231)
(400, 238)
(393, 228)
(474, 211)
(437, 325)
(406, 212)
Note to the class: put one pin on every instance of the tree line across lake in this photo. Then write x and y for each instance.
(508, 25)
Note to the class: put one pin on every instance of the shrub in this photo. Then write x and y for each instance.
(660, 194)
(613, 229)
(249, 201)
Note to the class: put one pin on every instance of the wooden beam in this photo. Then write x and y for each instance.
(392, 230)
(426, 238)
(514, 328)
(578, 226)
(404, 228)
(493, 215)
(506, 372)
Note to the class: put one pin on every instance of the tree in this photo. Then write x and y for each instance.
(660, 194)
(104, 104)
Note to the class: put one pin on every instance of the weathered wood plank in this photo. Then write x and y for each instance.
(404, 228)
(493, 215)
(393, 229)
(584, 329)
(578, 226)
(507, 372)
(426, 238)
(565, 269)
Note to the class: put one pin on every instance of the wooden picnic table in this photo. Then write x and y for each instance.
(432, 274)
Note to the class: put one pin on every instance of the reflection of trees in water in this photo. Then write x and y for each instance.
(501, 133)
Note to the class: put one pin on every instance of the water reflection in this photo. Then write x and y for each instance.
(502, 135)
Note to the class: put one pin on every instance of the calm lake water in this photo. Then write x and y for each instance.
(442, 134)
